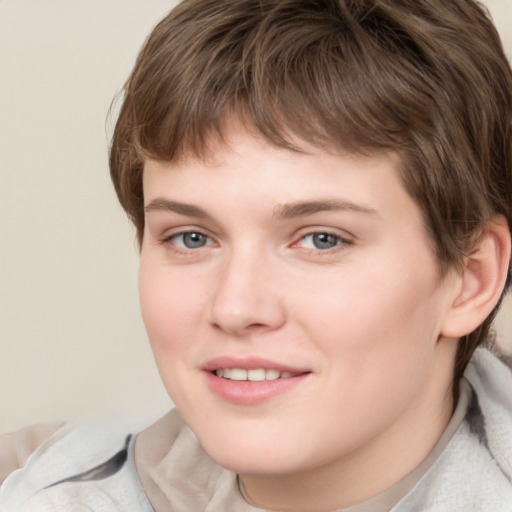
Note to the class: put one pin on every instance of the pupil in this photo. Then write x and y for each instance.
(324, 241)
(194, 240)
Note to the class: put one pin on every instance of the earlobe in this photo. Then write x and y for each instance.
(481, 281)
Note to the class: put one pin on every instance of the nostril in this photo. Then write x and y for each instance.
(256, 326)
(248, 328)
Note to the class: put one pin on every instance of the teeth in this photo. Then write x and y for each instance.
(258, 374)
(237, 374)
(255, 375)
(272, 374)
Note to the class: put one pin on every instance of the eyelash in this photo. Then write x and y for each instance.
(185, 250)
(341, 242)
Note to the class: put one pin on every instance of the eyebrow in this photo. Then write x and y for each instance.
(282, 211)
(303, 208)
(186, 209)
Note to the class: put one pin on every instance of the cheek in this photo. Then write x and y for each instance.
(352, 307)
(376, 343)
(171, 309)
(376, 328)
(170, 304)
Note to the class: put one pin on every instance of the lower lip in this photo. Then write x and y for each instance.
(244, 392)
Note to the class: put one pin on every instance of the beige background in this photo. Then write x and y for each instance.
(71, 338)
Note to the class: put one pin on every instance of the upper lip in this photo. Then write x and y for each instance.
(250, 363)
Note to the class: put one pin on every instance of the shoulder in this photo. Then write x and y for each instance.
(490, 415)
(491, 378)
(16, 447)
(79, 467)
(474, 472)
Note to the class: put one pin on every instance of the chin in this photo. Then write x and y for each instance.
(253, 455)
(255, 464)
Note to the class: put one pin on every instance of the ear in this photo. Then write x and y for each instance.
(481, 281)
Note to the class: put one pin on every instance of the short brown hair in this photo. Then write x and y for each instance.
(426, 78)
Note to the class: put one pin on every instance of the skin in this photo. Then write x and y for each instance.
(363, 313)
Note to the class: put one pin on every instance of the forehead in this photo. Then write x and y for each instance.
(238, 149)
(246, 173)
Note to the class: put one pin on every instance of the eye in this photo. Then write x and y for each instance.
(321, 241)
(190, 240)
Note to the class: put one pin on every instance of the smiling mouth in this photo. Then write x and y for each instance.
(253, 375)
(251, 381)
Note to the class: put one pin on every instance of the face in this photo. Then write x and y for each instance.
(293, 303)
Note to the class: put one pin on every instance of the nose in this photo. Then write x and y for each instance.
(247, 298)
